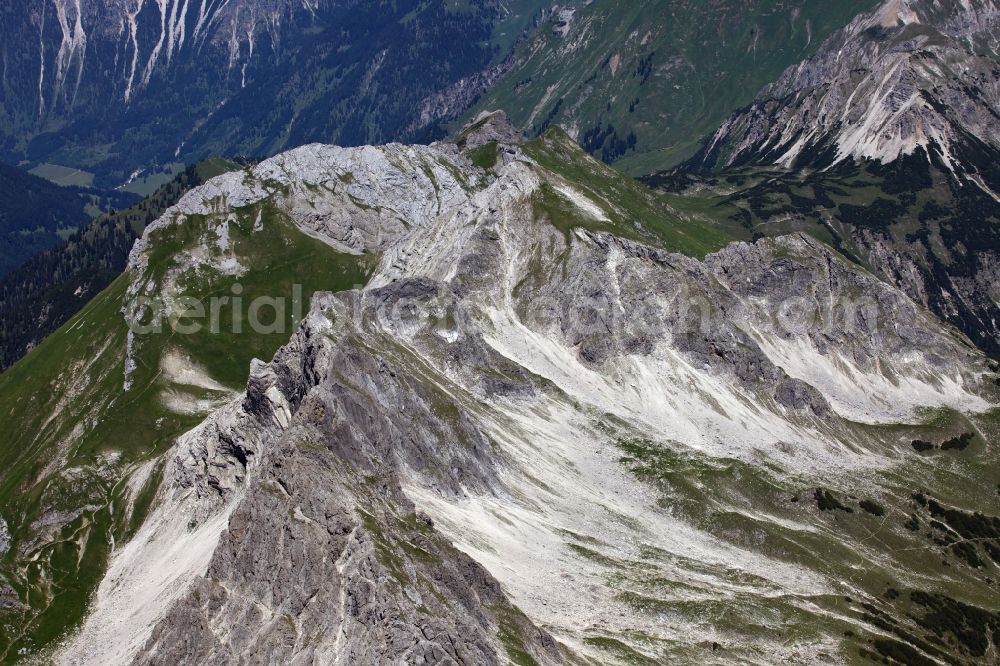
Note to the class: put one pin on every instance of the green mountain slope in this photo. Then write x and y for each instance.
(640, 83)
(634, 211)
(50, 287)
(74, 438)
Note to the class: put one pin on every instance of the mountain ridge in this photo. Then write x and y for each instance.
(570, 358)
(490, 400)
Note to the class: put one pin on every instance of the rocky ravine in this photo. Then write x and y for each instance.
(471, 459)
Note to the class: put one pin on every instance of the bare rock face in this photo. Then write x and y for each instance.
(315, 551)
(490, 127)
(325, 560)
(324, 556)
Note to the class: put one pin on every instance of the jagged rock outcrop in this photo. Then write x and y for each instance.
(355, 576)
(490, 127)
(324, 558)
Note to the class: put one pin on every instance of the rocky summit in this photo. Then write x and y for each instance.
(330, 335)
(531, 413)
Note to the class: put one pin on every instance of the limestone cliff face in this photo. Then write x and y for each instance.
(494, 450)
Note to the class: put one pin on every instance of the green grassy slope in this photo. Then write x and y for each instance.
(73, 435)
(43, 293)
(666, 71)
(633, 210)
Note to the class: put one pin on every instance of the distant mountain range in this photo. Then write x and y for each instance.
(36, 214)
(114, 87)
(638, 84)
(911, 76)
